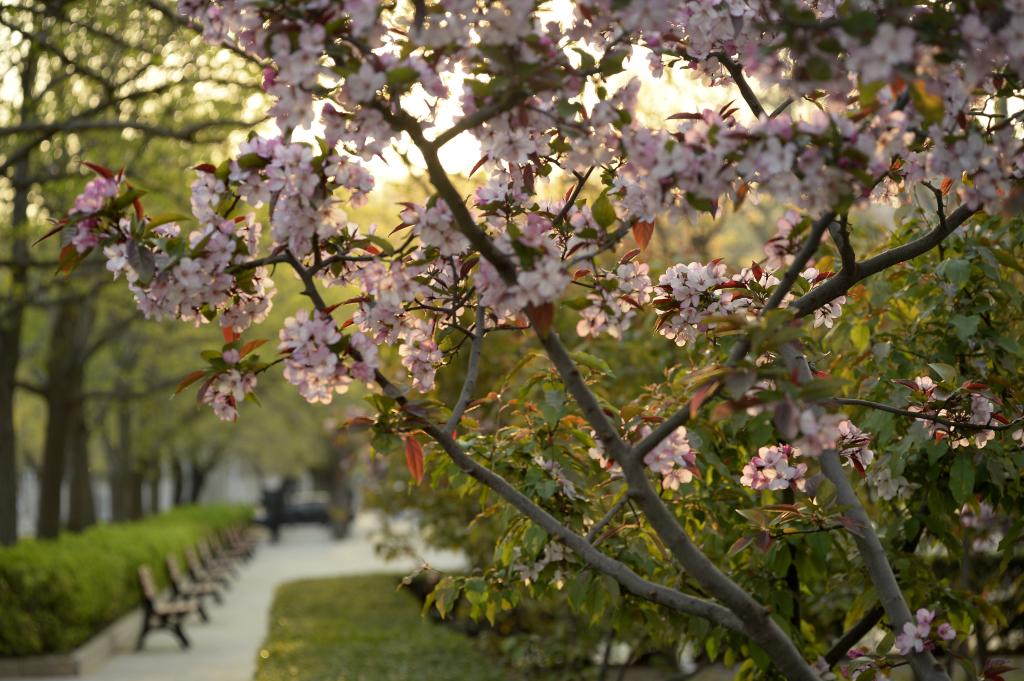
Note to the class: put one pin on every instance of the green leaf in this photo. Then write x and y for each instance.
(956, 271)
(860, 336)
(961, 478)
(947, 374)
(603, 211)
(401, 76)
(164, 218)
(964, 326)
(594, 363)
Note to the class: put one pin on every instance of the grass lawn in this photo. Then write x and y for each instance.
(361, 629)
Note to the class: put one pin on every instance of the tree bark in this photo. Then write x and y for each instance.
(125, 481)
(11, 317)
(81, 504)
(178, 478)
(199, 475)
(66, 367)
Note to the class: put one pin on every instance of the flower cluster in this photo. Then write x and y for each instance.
(968, 406)
(673, 459)
(540, 274)
(915, 637)
(313, 364)
(688, 295)
(225, 390)
(853, 444)
(827, 314)
(771, 469)
(615, 300)
(555, 470)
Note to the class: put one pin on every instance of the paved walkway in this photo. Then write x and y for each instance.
(226, 648)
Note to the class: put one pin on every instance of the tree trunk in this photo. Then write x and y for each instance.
(178, 478)
(11, 317)
(154, 489)
(65, 367)
(199, 474)
(125, 481)
(82, 504)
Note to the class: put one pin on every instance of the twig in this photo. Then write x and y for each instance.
(472, 370)
(595, 531)
(923, 416)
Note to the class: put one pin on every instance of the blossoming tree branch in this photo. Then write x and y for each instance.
(882, 104)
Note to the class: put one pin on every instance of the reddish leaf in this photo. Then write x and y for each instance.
(205, 168)
(971, 385)
(580, 273)
(541, 316)
(468, 264)
(55, 230)
(189, 380)
(346, 323)
(229, 334)
(685, 117)
(629, 256)
(479, 163)
(946, 185)
(642, 232)
(414, 458)
(359, 421)
(850, 524)
(206, 386)
(250, 346)
(763, 541)
(741, 195)
(99, 170)
(68, 259)
(740, 544)
(701, 396)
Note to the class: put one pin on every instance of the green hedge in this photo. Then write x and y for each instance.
(54, 594)
(362, 629)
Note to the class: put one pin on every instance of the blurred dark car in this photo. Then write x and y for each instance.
(308, 507)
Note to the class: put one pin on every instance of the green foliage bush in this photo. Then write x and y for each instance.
(362, 629)
(54, 594)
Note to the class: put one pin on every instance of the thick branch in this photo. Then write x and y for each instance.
(736, 71)
(877, 563)
(838, 285)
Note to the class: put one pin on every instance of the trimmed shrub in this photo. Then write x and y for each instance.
(55, 594)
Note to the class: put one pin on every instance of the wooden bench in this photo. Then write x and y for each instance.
(198, 572)
(214, 563)
(159, 614)
(183, 589)
(242, 539)
(229, 545)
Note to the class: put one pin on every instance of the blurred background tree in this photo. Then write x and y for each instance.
(119, 84)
